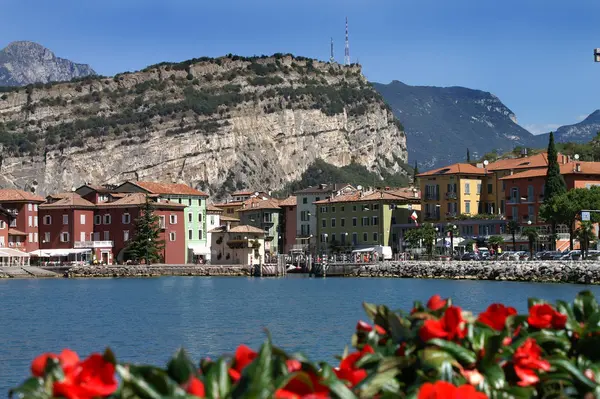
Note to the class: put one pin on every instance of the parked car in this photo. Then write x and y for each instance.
(470, 256)
(572, 255)
(551, 255)
(523, 255)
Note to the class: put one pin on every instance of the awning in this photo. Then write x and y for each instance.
(6, 252)
(48, 253)
(200, 249)
(371, 249)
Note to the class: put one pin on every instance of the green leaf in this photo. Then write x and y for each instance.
(217, 383)
(370, 309)
(550, 339)
(434, 358)
(32, 388)
(584, 305)
(534, 301)
(460, 353)
(492, 349)
(566, 365)
(136, 384)
(494, 376)
(592, 325)
(564, 308)
(375, 382)
(109, 356)
(256, 381)
(399, 328)
(53, 370)
(180, 368)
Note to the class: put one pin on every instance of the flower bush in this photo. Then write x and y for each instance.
(437, 350)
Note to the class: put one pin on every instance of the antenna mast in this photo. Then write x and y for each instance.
(347, 49)
(331, 58)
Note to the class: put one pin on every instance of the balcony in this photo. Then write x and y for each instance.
(451, 195)
(432, 196)
(17, 244)
(93, 244)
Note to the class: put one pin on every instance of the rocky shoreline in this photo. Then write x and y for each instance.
(575, 272)
(156, 271)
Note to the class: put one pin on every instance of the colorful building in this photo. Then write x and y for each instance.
(240, 245)
(288, 223)
(23, 228)
(357, 220)
(195, 219)
(264, 213)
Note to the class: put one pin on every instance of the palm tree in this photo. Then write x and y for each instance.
(585, 234)
(513, 228)
(532, 235)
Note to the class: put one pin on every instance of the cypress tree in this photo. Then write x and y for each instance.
(555, 183)
(415, 173)
(468, 156)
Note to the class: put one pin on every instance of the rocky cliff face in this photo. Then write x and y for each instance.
(23, 63)
(581, 132)
(216, 124)
(442, 122)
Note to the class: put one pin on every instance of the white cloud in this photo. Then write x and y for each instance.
(539, 128)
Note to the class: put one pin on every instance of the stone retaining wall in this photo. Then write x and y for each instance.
(156, 270)
(580, 272)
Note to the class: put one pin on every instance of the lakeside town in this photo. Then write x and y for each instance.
(472, 210)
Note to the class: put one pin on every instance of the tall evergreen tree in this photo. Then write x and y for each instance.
(415, 173)
(468, 156)
(555, 183)
(146, 243)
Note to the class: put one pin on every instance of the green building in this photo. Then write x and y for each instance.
(264, 213)
(198, 247)
(363, 219)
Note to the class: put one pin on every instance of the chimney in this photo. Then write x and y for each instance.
(322, 186)
(577, 167)
(523, 152)
(228, 226)
(381, 194)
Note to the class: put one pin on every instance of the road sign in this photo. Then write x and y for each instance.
(585, 216)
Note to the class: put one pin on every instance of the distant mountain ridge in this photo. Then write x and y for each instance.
(442, 122)
(23, 63)
(581, 132)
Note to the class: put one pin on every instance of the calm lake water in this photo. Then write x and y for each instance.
(146, 320)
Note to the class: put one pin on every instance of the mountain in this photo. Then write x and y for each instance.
(23, 63)
(581, 132)
(442, 122)
(216, 124)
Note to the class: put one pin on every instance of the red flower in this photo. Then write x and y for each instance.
(299, 387)
(527, 360)
(366, 327)
(450, 326)
(445, 390)
(348, 370)
(92, 378)
(495, 316)
(243, 357)
(436, 302)
(545, 316)
(195, 387)
(67, 360)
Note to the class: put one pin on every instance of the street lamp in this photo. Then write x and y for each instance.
(148, 251)
(436, 236)
(597, 55)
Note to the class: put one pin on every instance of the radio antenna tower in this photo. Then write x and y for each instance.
(331, 58)
(347, 49)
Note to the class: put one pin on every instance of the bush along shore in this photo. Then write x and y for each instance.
(577, 272)
(436, 350)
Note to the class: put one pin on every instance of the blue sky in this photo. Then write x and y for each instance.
(535, 55)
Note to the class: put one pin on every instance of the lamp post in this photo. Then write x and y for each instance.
(452, 228)
(436, 235)
(148, 251)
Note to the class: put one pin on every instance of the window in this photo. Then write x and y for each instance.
(200, 218)
(354, 239)
(342, 222)
(354, 222)
(106, 235)
(478, 188)
(172, 219)
(190, 234)
(333, 238)
(375, 237)
(161, 221)
(126, 218)
(375, 221)
(47, 219)
(35, 207)
(365, 221)
(366, 207)
(333, 209)
(125, 235)
(354, 208)
(35, 237)
(2, 225)
(35, 221)
(64, 237)
(30, 237)
(323, 209)
(46, 237)
(65, 219)
(467, 188)
(190, 202)
(530, 194)
(91, 236)
(490, 188)
(82, 220)
(82, 236)
(342, 210)
(305, 200)
(97, 219)
(333, 222)
(318, 199)
(365, 237)
(13, 222)
(190, 217)
(324, 223)
(199, 234)
(180, 200)
(107, 219)
(467, 206)
(29, 207)
(212, 220)
(375, 207)
(30, 221)
(172, 236)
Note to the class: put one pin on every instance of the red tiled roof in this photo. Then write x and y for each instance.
(168, 188)
(239, 193)
(289, 201)
(15, 232)
(379, 195)
(138, 199)
(323, 188)
(229, 204)
(255, 203)
(246, 229)
(14, 195)
(228, 219)
(68, 200)
(535, 161)
(586, 168)
(212, 208)
(455, 169)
